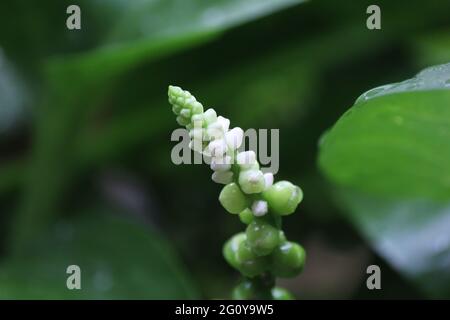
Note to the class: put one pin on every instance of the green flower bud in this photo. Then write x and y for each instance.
(250, 264)
(182, 121)
(231, 247)
(197, 108)
(281, 294)
(283, 197)
(243, 291)
(246, 216)
(184, 104)
(176, 109)
(232, 198)
(251, 181)
(262, 237)
(185, 113)
(288, 259)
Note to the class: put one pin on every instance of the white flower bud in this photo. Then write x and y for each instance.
(196, 133)
(196, 145)
(259, 208)
(268, 179)
(217, 148)
(246, 159)
(224, 123)
(215, 130)
(221, 164)
(210, 116)
(222, 177)
(197, 120)
(234, 138)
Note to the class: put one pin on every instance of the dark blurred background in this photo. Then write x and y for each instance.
(85, 171)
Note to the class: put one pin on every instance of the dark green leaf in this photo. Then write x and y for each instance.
(395, 141)
(118, 260)
(390, 153)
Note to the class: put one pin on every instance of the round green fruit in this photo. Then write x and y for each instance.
(283, 197)
(246, 216)
(281, 294)
(288, 259)
(248, 263)
(243, 291)
(262, 237)
(231, 247)
(232, 198)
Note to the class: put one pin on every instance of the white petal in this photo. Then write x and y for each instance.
(221, 164)
(197, 120)
(224, 122)
(217, 148)
(196, 133)
(246, 159)
(215, 130)
(268, 179)
(196, 145)
(210, 116)
(222, 177)
(234, 138)
(259, 208)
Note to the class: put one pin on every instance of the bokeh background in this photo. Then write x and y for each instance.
(85, 171)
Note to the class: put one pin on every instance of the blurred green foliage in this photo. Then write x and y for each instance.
(392, 147)
(92, 103)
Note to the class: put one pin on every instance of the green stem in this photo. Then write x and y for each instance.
(263, 285)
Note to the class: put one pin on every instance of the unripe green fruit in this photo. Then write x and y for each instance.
(231, 247)
(281, 294)
(283, 197)
(246, 216)
(243, 291)
(248, 263)
(232, 198)
(262, 237)
(251, 181)
(288, 259)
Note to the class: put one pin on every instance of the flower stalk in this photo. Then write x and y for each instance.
(262, 252)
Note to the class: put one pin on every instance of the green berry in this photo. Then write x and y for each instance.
(231, 247)
(288, 259)
(250, 264)
(283, 197)
(232, 198)
(251, 181)
(243, 291)
(246, 216)
(262, 237)
(281, 294)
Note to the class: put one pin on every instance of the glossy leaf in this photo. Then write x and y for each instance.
(390, 157)
(395, 140)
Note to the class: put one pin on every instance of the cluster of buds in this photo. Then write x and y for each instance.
(260, 203)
